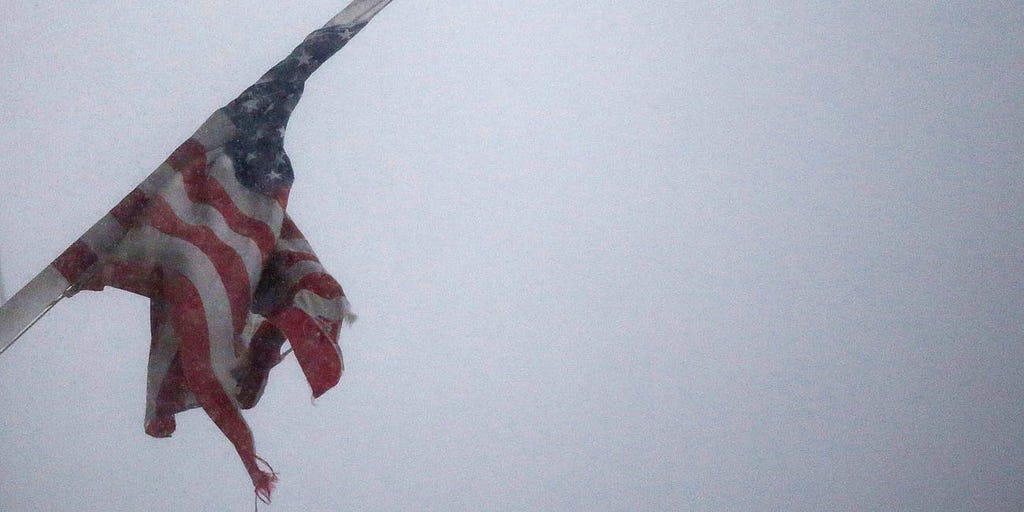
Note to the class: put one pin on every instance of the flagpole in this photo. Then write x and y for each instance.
(30, 324)
(30, 304)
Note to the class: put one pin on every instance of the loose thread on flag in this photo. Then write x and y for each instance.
(263, 491)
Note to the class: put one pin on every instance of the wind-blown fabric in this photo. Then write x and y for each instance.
(230, 277)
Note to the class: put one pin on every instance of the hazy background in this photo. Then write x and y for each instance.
(608, 256)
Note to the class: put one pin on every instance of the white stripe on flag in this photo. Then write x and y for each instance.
(294, 245)
(315, 305)
(178, 255)
(216, 131)
(198, 214)
(255, 205)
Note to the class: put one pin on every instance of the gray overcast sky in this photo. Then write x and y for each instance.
(661, 255)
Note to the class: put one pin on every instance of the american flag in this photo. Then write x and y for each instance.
(229, 276)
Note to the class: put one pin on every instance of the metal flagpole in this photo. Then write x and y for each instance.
(33, 322)
(29, 304)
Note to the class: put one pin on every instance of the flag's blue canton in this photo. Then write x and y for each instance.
(260, 114)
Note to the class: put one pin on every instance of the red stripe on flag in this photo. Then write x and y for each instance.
(190, 325)
(135, 277)
(317, 354)
(281, 196)
(202, 188)
(289, 231)
(190, 160)
(229, 265)
(129, 212)
(319, 283)
(189, 154)
(170, 400)
(288, 258)
(74, 261)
